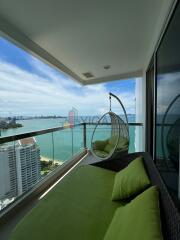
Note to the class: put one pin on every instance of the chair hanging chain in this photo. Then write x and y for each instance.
(110, 103)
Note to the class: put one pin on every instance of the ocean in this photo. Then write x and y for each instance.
(67, 142)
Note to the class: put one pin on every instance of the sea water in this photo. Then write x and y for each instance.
(62, 145)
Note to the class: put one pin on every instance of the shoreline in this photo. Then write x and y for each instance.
(46, 159)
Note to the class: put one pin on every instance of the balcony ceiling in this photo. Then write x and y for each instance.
(79, 36)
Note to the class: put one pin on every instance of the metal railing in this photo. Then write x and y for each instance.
(84, 138)
(33, 134)
(5, 139)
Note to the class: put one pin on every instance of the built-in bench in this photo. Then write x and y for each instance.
(170, 216)
(80, 206)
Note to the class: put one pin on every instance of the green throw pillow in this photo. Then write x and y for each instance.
(108, 148)
(99, 145)
(101, 154)
(137, 220)
(113, 140)
(123, 143)
(131, 180)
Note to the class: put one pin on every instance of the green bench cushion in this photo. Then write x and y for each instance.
(79, 207)
(138, 220)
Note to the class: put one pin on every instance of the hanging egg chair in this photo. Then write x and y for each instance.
(112, 141)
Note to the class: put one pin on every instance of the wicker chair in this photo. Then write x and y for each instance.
(118, 142)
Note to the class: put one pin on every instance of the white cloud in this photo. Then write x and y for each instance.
(168, 89)
(46, 91)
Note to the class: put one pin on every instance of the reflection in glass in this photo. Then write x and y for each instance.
(168, 105)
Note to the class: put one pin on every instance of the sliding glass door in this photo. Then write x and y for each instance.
(167, 108)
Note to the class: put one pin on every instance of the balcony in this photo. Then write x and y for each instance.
(64, 146)
(67, 146)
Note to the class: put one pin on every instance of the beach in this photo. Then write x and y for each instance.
(46, 159)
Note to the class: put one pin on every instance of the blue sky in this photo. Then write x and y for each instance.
(30, 87)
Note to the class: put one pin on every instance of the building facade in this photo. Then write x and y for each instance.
(20, 168)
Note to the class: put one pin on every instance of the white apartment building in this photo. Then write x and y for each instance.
(19, 167)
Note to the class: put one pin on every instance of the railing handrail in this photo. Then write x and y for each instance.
(130, 124)
(19, 136)
(34, 133)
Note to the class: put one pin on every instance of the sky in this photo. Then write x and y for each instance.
(167, 90)
(30, 87)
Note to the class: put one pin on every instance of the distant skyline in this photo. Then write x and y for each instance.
(30, 87)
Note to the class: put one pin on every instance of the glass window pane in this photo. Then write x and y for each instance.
(168, 105)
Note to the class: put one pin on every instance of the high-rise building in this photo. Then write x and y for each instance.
(73, 117)
(19, 167)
